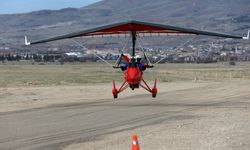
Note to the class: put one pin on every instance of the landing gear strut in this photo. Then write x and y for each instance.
(146, 87)
(115, 92)
(125, 85)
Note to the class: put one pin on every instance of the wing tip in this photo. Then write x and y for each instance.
(26, 41)
(246, 37)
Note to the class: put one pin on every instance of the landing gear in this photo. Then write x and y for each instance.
(134, 86)
(154, 90)
(146, 87)
(125, 85)
(115, 92)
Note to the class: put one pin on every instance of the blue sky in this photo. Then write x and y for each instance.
(22, 6)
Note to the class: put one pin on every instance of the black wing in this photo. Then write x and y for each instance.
(141, 28)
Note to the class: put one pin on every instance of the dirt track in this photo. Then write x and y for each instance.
(185, 115)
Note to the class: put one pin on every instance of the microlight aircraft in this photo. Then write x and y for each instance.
(133, 70)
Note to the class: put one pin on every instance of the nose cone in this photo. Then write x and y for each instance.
(133, 75)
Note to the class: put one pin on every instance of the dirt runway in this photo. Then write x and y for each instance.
(185, 115)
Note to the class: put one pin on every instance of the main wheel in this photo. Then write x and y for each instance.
(153, 95)
(115, 96)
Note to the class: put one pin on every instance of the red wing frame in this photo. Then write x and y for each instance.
(140, 28)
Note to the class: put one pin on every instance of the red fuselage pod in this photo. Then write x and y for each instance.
(133, 76)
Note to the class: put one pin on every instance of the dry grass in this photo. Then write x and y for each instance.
(89, 73)
(24, 75)
(219, 71)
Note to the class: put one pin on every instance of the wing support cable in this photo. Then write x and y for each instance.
(147, 59)
(93, 53)
(144, 53)
(188, 41)
(126, 44)
(118, 61)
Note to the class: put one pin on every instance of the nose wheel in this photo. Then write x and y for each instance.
(115, 96)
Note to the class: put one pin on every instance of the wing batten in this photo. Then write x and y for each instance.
(141, 28)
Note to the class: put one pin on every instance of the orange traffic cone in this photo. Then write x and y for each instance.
(135, 143)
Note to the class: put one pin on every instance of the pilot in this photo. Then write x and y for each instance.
(141, 66)
(124, 67)
(138, 64)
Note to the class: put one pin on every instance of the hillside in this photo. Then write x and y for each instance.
(228, 16)
(214, 14)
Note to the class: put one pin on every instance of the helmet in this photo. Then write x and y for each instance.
(138, 58)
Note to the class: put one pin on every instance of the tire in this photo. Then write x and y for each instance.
(154, 95)
(115, 96)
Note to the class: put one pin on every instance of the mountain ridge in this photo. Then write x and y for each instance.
(226, 16)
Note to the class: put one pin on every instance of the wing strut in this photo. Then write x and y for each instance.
(176, 49)
(93, 53)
